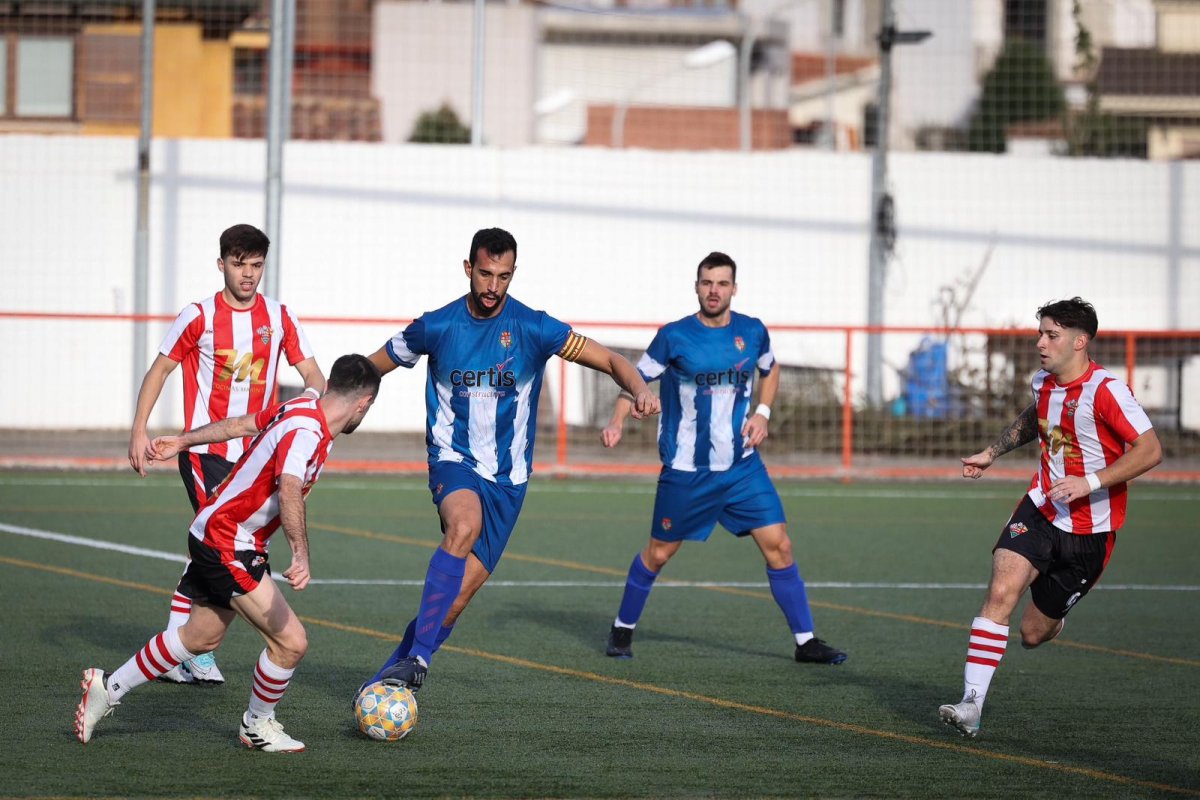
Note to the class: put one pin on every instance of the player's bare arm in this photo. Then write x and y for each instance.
(1143, 454)
(164, 447)
(610, 435)
(148, 395)
(755, 430)
(291, 518)
(382, 360)
(1022, 431)
(314, 379)
(596, 356)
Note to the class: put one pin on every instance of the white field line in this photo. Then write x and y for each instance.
(858, 491)
(99, 544)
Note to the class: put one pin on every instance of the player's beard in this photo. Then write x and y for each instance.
(485, 311)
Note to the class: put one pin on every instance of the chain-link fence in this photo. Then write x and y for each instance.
(1038, 149)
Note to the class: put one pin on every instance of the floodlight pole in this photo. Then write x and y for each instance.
(883, 229)
(141, 242)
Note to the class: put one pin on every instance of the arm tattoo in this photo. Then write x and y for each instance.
(1022, 431)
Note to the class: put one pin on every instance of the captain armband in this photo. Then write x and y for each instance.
(574, 347)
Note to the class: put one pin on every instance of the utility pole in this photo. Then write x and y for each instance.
(883, 219)
(479, 39)
(279, 119)
(141, 241)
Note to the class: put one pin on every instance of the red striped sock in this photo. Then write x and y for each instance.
(984, 651)
(160, 654)
(270, 682)
(181, 609)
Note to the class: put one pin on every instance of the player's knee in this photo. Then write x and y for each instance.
(655, 558)
(1001, 598)
(782, 553)
(1030, 639)
(655, 562)
(1040, 631)
(291, 647)
(460, 536)
(196, 641)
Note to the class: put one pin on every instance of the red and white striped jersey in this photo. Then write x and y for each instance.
(230, 360)
(1084, 426)
(293, 439)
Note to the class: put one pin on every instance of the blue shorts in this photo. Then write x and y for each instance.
(689, 504)
(501, 506)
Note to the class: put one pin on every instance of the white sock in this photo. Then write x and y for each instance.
(181, 610)
(802, 638)
(160, 654)
(270, 682)
(984, 651)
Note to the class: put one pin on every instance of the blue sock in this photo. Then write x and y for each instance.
(637, 590)
(442, 636)
(442, 584)
(405, 646)
(788, 588)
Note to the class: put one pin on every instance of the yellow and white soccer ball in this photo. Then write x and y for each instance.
(385, 712)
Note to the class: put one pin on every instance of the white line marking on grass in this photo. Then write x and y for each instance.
(857, 491)
(93, 543)
(100, 544)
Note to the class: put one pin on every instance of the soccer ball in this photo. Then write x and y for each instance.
(385, 712)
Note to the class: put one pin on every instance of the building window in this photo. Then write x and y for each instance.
(45, 69)
(1025, 19)
(249, 71)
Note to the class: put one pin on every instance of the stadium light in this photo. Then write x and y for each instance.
(749, 38)
(707, 55)
(554, 102)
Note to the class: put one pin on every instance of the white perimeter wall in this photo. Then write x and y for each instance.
(380, 231)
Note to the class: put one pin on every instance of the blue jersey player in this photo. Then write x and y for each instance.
(711, 471)
(487, 353)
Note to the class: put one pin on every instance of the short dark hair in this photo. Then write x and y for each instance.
(354, 374)
(244, 240)
(496, 241)
(1075, 313)
(716, 259)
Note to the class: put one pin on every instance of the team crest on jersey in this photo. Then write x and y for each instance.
(257, 561)
(1016, 529)
(739, 343)
(264, 334)
(505, 339)
(666, 523)
(1071, 406)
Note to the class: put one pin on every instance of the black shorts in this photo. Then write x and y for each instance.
(216, 577)
(1069, 564)
(202, 473)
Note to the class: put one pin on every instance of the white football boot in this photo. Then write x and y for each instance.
(963, 716)
(177, 674)
(94, 706)
(203, 668)
(266, 734)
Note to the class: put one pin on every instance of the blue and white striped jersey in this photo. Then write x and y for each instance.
(707, 379)
(485, 376)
